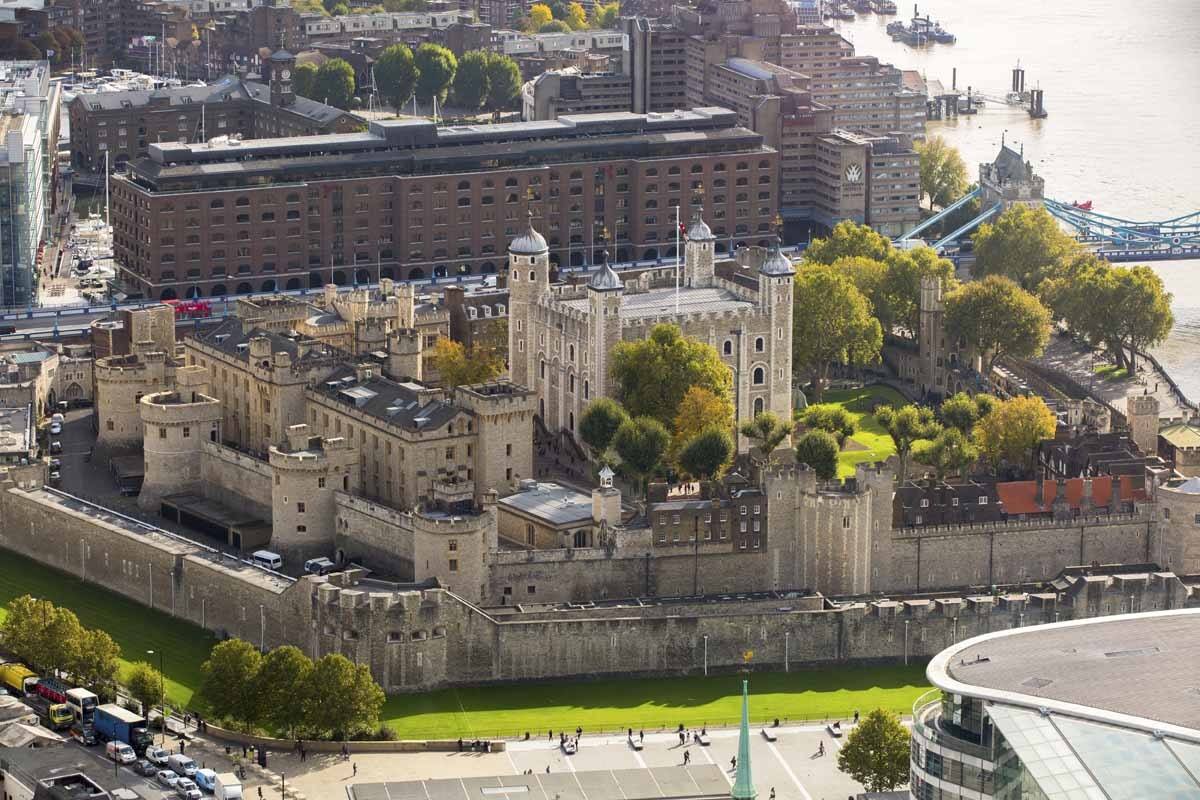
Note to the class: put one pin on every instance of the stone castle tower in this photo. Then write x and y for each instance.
(1142, 412)
(776, 285)
(699, 257)
(177, 424)
(932, 336)
(528, 281)
(306, 474)
(454, 547)
(604, 292)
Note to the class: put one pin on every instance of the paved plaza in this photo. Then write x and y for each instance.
(789, 765)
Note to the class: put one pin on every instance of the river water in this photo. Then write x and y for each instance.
(1122, 84)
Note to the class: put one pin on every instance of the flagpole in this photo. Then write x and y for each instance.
(678, 258)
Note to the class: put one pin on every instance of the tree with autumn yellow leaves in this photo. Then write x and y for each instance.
(1012, 430)
(699, 409)
(576, 17)
(539, 15)
(459, 366)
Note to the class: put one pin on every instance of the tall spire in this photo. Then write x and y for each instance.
(743, 784)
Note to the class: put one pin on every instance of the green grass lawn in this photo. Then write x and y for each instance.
(594, 705)
(1111, 372)
(879, 446)
(652, 703)
(134, 627)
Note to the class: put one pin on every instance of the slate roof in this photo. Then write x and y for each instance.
(661, 302)
(605, 280)
(230, 87)
(401, 405)
(1010, 166)
(552, 503)
(232, 332)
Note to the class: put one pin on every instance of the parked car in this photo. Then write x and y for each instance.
(55, 428)
(83, 736)
(318, 566)
(206, 779)
(187, 790)
(182, 765)
(55, 464)
(145, 768)
(55, 478)
(157, 755)
(55, 448)
(167, 778)
(120, 752)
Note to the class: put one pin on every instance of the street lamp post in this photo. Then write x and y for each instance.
(162, 697)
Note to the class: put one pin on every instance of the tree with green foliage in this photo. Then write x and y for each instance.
(943, 173)
(144, 684)
(341, 699)
(401, 6)
(907, 426)
(832, 324)
(1124, 309)
(700, 409)
(1024, 244)
(819, 449)
(396, 75)
(599, 423)
(831, 418)
(870, 277)
(995, 317)
(539, 15)
(707, 455)
(436, 66)
(950, 452)
(848, 240)
(471, 85)
(304, 79)
(876, 752)
(576, 17)
(310, 7)
(281, 672)
(641, 443)
(96, 661)
(1013, 429)
(652, 375)
(555, 26)
(767, 431)
(606, 15)
(504, 81)
(228, 684)
(962, 411)
(902, 284)
(334, 83)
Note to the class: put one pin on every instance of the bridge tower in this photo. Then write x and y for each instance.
(1009, 180)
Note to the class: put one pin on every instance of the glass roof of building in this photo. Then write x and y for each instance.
(1072, 759)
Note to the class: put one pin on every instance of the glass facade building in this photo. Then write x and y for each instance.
(29, 123)
(1013, 719)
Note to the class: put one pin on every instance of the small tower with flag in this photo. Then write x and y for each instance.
(743, 783)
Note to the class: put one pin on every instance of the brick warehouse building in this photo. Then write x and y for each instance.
(409, 199)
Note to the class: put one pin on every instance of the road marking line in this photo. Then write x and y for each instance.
(709, 759)
(786, 768)
(638, 757)
(511, 763)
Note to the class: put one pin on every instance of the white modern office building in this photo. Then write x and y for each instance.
(1098, 709)
(29, 120)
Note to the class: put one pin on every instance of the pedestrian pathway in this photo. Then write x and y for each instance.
(1078, 363)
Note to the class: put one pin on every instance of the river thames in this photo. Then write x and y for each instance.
(1122, 84)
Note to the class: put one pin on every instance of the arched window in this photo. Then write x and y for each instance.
(571, 355)
(758, 406)
(463, 186)
(729, 347)
(759, 376)
(759, 345)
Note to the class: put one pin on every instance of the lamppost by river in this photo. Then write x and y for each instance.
(162, 697)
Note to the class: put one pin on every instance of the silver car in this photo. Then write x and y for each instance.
(187, 790)
(167, 778)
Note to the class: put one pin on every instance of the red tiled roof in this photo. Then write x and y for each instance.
(1020, 497)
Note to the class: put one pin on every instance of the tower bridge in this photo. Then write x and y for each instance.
(1010, 180)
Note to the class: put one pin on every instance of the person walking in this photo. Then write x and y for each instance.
(687, 758)
(733, 763)
(642, 736)
(820, 748)
(354, 767)
(772, 793)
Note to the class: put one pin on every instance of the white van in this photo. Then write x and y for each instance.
(182, 765)
(265, 558)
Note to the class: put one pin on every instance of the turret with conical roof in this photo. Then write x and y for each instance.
(699, 257)
(604, 292)
(528, 280)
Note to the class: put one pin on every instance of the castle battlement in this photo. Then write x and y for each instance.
(1012, 525)
(179, 408)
